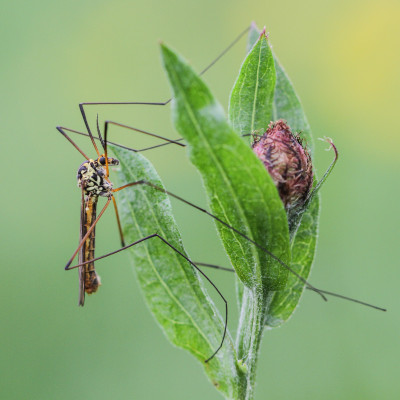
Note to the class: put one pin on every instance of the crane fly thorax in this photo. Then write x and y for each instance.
(92, 176)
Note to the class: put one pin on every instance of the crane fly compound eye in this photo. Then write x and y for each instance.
(102, 160)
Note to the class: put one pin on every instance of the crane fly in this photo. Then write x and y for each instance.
(94, 182)
(93, 179)
(178, 142)
(167, 141)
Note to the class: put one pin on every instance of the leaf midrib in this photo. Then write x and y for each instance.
(256, 91)
(223, 174)
(164, 284)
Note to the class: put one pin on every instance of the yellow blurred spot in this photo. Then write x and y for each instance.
(362, 57)
(369, 40)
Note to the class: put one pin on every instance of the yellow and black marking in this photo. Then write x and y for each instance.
(89, 281)
(93, 180)
(92, 177)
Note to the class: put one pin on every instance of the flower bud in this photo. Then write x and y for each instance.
(288, 163)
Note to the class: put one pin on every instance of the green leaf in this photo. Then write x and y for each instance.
(250, 106)
(287, 106)
(171, 286)
(239, 188)
(286, 103)
(303, 251)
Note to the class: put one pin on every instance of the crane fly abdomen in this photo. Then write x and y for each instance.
(89, 281)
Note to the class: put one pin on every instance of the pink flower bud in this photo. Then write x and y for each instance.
(288, 163)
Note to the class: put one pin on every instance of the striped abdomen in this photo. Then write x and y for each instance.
(89, 281)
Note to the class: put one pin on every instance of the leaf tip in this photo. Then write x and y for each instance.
(165, 49)
(166, 54)
(264, 33)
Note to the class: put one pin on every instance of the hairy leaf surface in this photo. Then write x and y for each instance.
(240, 191)
(287, 106)
(170, 284)
(303, 251)
(250, 106)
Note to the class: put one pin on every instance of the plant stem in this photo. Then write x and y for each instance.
(249, 335)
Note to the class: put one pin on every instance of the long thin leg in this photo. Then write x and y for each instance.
(213, 266)
(87, 234)
(99, 133)
(340, 296)
(309, 286)
(61, 130)
(225, 51)
(169, 141)
(121, 234)
(81, 105)
(105, 142)
(107, 123)
(160, 145)
(143, 182)
(88, 128)
(187, 259)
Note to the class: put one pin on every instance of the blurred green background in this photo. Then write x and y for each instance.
(343, 59)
